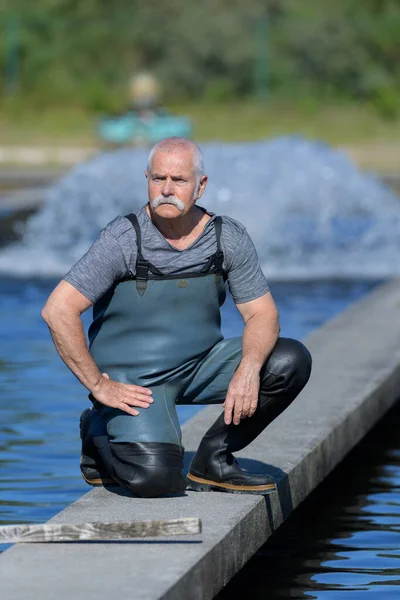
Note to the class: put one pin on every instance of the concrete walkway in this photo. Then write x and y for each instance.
(356, 379)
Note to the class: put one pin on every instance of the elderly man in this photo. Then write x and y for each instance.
(156, 281)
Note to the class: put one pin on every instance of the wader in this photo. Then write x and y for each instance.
(163, 332)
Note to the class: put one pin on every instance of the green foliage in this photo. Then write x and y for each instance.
(98, 98)
(387, 102)
(83, 53)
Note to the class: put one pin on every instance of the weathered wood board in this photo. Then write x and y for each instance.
(98, 531)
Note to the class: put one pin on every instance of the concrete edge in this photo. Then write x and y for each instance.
(378, 393)
(227, 557)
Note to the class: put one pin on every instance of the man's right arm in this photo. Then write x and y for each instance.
(62, 313)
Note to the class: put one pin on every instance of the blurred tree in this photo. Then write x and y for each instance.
(85, 52)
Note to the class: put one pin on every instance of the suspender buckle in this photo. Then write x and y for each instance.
(142, 273)
(142, 269)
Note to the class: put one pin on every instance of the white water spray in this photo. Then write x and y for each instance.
(309, 210)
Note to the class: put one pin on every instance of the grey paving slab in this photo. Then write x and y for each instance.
(93, 570)
(355, 380)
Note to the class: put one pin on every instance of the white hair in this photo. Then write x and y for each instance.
(179, 143)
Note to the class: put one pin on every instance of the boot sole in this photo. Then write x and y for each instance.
(205, 485)
(99, 481)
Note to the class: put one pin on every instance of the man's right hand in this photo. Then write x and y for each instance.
(122, 395)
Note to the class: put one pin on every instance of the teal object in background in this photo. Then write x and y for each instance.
(132, 128)
(117, 130)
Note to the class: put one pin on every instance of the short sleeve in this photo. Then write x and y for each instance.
(245, 278)
(99, 268)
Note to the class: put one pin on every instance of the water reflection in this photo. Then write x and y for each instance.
(343, 542)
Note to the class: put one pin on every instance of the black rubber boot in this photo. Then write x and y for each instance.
(92, 467)
(148, 469)
(214, 467)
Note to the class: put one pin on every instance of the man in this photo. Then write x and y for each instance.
(156, 279)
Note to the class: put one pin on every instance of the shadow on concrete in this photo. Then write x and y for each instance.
(121, 491)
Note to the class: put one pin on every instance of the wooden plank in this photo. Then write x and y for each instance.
(119, 530)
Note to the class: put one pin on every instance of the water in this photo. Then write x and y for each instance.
(40, 400)
(312, 216)
(343, 542)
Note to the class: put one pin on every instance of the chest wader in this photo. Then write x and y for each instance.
(164, 333)
(152, 330)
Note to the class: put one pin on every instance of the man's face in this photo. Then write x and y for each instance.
(172, 183)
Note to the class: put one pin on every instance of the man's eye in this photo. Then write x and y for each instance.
(157, 179)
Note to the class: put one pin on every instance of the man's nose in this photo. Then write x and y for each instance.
(167, 188)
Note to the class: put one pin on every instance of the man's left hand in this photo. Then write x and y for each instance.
(242, 396)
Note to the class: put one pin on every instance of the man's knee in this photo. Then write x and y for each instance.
(149, 469)
(288, 367)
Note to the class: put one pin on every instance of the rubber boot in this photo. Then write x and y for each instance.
(92, 467)
(147, 469)
(214, 467)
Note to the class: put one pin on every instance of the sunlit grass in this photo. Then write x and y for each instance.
(336, 124)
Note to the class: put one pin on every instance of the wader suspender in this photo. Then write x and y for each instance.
(144, 267)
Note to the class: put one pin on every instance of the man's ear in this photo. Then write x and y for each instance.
(202, 186)
(145, 174)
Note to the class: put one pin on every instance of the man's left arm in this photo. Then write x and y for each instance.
(260, 335)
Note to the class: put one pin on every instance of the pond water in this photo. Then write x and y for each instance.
(343, 542)
(40, 400)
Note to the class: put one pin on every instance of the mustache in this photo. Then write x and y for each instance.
(167, 200)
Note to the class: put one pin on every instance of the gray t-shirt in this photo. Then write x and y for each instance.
(113, 256)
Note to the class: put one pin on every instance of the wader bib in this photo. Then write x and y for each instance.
(162, 332)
